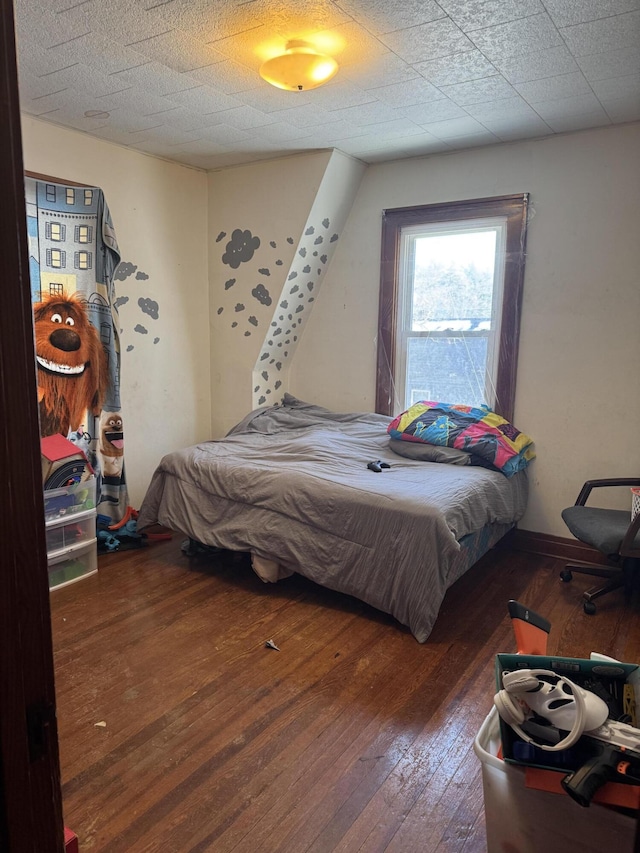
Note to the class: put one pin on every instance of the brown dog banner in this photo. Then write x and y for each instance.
(73, 255)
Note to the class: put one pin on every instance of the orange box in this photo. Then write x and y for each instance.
(611, 793)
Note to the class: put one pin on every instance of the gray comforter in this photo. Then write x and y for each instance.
(290, 483)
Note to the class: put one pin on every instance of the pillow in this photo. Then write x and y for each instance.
(476, 430)
(429, 452)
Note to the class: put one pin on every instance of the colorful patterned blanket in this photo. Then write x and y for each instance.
(478, 431)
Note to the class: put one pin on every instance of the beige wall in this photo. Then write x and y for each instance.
(272, 201)
(578, 392)
(159, 211)
(580, 341)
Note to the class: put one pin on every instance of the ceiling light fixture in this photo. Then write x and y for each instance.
(300, 67)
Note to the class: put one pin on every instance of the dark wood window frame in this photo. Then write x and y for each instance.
(514, 208)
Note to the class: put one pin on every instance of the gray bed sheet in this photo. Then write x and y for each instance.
(290, 484)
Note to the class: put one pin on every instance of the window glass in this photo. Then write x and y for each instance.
(449, 313)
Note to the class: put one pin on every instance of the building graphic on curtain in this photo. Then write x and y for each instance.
(73, 255)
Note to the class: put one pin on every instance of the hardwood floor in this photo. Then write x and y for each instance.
(181, 732)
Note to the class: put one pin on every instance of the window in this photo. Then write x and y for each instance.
(88, 196)
(55, 288)
(83, 233)
(56, 258)
(50, 192)
(82, 260)
(54, 231)
(71, 195)
(450, 297)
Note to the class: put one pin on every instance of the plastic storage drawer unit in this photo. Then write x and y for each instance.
(70, 530)
(72, 564)
(59, 504)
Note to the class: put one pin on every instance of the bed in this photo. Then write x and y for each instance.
(290, 485)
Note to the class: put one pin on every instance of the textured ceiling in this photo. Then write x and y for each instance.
(179, 78)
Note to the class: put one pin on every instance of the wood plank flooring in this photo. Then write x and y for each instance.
(181, 732)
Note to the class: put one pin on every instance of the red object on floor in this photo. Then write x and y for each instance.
(70, 841)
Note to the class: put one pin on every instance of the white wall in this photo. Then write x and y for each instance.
(578, 390)
(159, 211)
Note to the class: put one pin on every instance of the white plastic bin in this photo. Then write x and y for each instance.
(72, 564)
(523, 820)
(73, 530)
(60, 503)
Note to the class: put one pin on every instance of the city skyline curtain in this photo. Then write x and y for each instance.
(73, 255)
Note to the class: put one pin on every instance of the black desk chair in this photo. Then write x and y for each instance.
(612, 532)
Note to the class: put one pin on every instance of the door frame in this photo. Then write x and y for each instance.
(30, 796)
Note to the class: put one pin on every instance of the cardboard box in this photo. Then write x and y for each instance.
(62, 462)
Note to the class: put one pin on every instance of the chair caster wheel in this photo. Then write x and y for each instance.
(566, 575)
(589, 608)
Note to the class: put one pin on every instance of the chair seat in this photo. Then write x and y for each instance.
(603, 529)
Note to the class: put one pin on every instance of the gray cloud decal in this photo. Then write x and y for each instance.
(148, 306)
(125, 269)
(141, 330)
(240, 248)
(141, 276)
(261, 293)
(121, 300)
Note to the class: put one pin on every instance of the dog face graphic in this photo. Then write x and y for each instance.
(111, 434)
(71, 361)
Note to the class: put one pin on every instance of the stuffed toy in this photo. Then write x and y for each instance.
(72, 364)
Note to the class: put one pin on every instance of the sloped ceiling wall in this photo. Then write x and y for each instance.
(273, 228)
